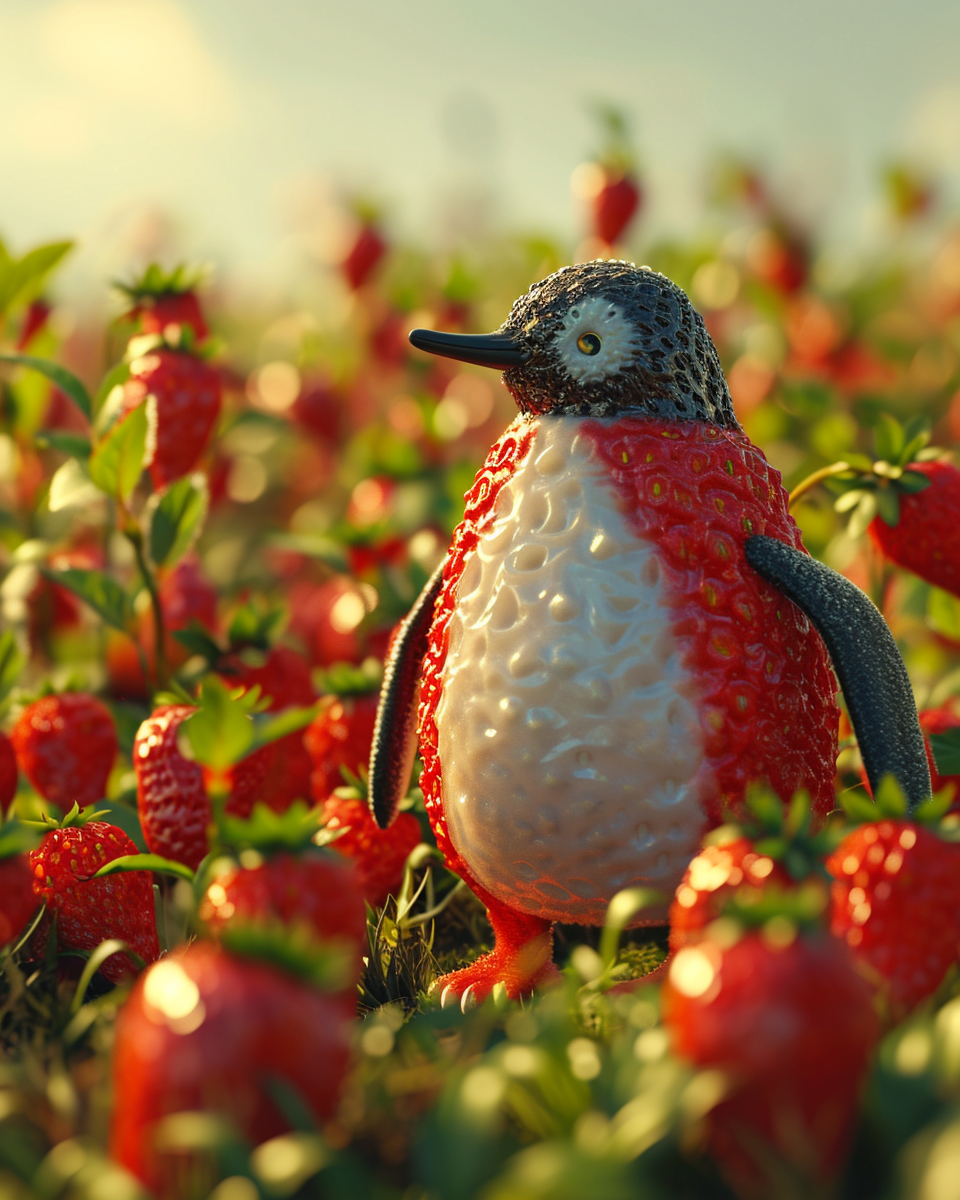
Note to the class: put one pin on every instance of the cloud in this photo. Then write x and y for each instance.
(933, 128)
(142, 54)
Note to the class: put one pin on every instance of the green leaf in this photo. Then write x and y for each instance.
(106, 949)
(889, 438)
(270, 729)
(119, 458)
(73, 444)
(946, 751)
(12, 662)
(891, 802)
(255, 626)
(849, 500)
(144, 862)
(177, 518)
(863, 514)
(65, 380)
(859, 808)
(930, 811)
(98, 590)
(198, 641)
(943, 613)
(18, 278)
(221, 731)
(888, 506)
(70, 486)
(912, 482)
(15, 838)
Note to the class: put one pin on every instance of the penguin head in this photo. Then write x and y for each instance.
(602, 339)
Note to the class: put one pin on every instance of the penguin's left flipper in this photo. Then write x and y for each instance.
(865, 657)
(395, 732)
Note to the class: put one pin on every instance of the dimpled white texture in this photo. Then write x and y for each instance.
(568, 730)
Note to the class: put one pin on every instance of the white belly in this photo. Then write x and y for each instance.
(568, 729)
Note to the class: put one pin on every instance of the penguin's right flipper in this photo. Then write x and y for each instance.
(865, 657)
(395, 732)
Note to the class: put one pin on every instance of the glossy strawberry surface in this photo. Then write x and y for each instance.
(896, 904)
(339, 736)
(205, 1031)
(187, 392)
(791, 1024)
(66, 745)
(926, 538)
(89, 911)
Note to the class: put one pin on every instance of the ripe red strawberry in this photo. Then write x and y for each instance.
(614, 204)
(66, 745)
(18, 902)
(89, 910)
(8, 772)
(313, 888)
(205, 1030)
(340, 736)
(790, 1022)
(160, 299)
(896, 905)
(379, 854)
(926, 537)
(174, 808)
(188, 396)
(935, 720)
(365, 253)
(717, 875)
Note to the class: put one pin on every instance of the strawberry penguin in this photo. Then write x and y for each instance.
(607, 657)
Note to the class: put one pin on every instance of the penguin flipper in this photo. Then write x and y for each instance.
(395, 732)
(866, 660)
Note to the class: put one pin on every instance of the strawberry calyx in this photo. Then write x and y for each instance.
(785, 835)
(162, 299)
(872, 488)
(76, 818)
(265, 832)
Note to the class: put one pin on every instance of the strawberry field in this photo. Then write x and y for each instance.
(218, 971)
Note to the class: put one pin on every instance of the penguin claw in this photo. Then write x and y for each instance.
(468, 1000)
(447, 997)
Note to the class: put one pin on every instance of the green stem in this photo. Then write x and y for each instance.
(811, 481)
(134, 535)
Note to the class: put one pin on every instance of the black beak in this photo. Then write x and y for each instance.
(498, 350)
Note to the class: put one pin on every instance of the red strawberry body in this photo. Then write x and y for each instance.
(66, 745)
(155, 312)
(614, 205)
(8, 772)
(896, 904)
(378, 854)
(715, 876)
(735, 689)
(204, 1030)
(18, 901)
(926, 539)
(188, 396)
(90, 910)
(174, 808)
(317, 889)
(339, 736)
(792, 1026)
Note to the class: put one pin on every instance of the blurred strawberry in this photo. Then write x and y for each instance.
(341, 733)
(205, 1030)
(52, 609)
(18, 902)
(34, 321)
(379, 854)
(780, 258)
(88, 911)
(920, 530)
(364, 256)
(66, 745)
(9, 776)
(160, 298)
(331, 619)
(319, 410)
(786, 1017)
(188, 396)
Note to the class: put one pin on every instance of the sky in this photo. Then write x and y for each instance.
(239, 121)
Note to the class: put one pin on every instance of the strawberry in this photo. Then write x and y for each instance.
(174, 808)
(379, 854)
(205, 1030)
(790, 1022)
(313, 888)
(34, 321)
(364, 255)
(66, 745)
(895, 900)
(341, 733)
(187, 392)
(18, 902)
(727, 864)
(8, 772)
(922, 534)
(614, 205)
(160, 299)
(89, 911)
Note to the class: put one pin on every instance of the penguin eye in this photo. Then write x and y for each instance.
(588, 343)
